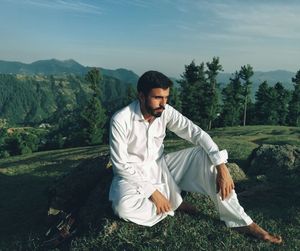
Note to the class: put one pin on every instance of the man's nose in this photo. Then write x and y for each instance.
(164, 101)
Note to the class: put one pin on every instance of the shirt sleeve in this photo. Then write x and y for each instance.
(119, 159)
(186, 129)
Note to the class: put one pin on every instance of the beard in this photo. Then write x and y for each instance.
(156, 112)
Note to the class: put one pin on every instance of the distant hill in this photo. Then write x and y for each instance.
(272, 77)
(33, 99)
(70, 66)
(57, 67)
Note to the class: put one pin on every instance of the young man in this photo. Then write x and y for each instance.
(147, 183)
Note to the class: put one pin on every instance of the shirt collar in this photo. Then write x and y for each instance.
(137, 112)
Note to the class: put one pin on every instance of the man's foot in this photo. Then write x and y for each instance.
(188, 208)
(61, 228)
(259, 233)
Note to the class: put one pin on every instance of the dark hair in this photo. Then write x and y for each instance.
(152, 79)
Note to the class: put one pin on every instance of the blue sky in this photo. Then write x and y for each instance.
(163, 35)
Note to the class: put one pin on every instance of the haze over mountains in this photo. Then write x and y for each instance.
(56, 67)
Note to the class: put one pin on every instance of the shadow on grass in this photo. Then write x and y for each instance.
(276, 141)
(23, 196)
(23, 209)
(278, 201)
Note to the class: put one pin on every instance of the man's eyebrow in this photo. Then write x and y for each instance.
(159, 96)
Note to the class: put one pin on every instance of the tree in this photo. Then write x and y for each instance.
(130, 95)
(213, 102)
(264, 106)
(294, 105)
(271, 104)
(191, 92)
(232, 102)
(174, 99)
(92, 117)
(282, 103)
(246, 73)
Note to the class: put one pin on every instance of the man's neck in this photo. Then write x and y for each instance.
(147, 116)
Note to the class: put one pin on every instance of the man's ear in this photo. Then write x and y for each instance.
(141, 97)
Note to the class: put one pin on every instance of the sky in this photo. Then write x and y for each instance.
(163, 35)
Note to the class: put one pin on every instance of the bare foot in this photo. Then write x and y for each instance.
(256, 231)
(188, 208)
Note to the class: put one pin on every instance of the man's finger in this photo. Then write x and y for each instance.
(167, 208)
(223, 193)
(158, 211)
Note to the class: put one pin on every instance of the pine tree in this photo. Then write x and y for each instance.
(174, 99)
(271, 104)
(264, 104)
(294, 105)
(282, 102)
(93, 118)
(246, 73)
(192, 82)
(232, 102)
(130, 95)
(212, 103)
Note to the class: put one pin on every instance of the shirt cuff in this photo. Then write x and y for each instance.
(219, 157)
(147, 189)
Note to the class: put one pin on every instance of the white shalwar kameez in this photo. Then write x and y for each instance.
(140, 167)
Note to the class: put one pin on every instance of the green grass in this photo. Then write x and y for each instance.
(23, 204)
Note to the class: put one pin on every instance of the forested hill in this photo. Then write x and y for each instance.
(32, 93)
(32, 99)
(58, 67)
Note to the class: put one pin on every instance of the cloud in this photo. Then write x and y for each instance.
(64, 5)
(135, 3)
(265, 20)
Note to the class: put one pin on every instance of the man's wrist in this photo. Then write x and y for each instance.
(221, 167)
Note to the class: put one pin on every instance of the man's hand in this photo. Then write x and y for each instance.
(162, 204)
(224, 181)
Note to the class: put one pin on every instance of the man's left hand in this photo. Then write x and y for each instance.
(224, 181)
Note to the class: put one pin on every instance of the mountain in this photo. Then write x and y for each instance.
(124, 75)
(33, 99)
(58, 67)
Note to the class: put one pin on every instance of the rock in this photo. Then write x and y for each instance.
(275, 161)
(236, 172)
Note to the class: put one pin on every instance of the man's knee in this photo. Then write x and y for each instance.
(126, 207)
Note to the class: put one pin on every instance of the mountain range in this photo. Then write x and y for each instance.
(70, 66)
(32, 93)
(58, 67)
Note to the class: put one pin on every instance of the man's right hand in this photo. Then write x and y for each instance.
(162, 204)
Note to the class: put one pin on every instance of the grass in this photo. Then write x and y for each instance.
(23, 204)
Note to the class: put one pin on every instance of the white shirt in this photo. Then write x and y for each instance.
(136, 145)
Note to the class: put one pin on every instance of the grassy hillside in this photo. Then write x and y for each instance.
(23, 204)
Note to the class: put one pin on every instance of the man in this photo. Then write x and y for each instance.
(147, 183)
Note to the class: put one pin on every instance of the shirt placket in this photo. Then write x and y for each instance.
(149, 137)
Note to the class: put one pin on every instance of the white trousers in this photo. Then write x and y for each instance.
(189, 170)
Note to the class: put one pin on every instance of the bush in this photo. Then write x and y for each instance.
(4, 154)
(21, 143)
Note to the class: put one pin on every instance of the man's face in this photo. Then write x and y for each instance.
(154, 104)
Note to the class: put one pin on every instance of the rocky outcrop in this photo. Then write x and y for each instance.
(275, 161)
(236, 172)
